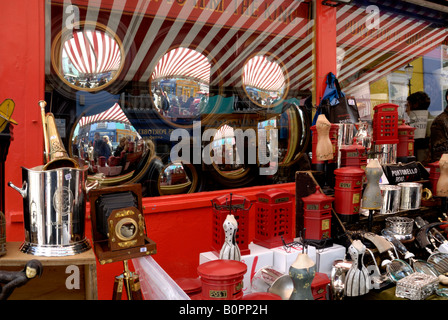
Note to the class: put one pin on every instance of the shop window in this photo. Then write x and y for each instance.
(172, 51)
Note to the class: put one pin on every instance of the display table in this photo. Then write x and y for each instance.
(59, 280)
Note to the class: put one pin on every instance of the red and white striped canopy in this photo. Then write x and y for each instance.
(185, 63)
(263, 74)
(93, 52)
(113, 114)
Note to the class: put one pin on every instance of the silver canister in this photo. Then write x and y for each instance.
(391, 199)
(411, 195)
(345, 138)
(386, 153)
(54, 207)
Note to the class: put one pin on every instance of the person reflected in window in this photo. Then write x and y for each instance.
(123, 146)
(417, 109)
(439, 134)
(100, 148)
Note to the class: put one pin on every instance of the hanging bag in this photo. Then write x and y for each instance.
(335, 105)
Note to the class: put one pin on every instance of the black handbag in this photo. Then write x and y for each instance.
(335, 105)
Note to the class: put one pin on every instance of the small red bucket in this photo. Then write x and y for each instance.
(222, 279)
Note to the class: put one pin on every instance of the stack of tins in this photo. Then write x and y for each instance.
(273, 218)
(405, 146)
(353, 156)
(317, 216)
(434, 174)
(334, 141)
(222, 279)
(348, 192)
(240, 206)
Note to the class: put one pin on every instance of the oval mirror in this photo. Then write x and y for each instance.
(111, 146)
(264, 81)
(177, 178)
(87, 58)
(180, 86)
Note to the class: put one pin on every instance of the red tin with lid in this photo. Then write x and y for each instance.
(434, 174)
(222, 279)
(353, 156)
(317, 215)
(348, 192)
(405, 146)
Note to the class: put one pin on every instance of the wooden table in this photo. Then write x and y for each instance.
(60, 277)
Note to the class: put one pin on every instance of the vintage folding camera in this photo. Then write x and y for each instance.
(118, 223)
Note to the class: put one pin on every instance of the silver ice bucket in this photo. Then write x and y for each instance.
(54, 206)
(391, 199)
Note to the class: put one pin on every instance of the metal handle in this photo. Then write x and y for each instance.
(22, 191)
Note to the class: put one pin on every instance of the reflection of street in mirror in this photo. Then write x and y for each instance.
(228, 147)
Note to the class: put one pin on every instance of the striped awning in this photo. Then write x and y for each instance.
(183, 63)
(263, 74)
(113, 114)
(92, 52)
(372, 53)
(228, 32)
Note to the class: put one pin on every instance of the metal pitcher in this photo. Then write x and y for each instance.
(411, 195)
(54, 206)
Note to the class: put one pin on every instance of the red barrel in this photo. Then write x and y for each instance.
(348, 192)
(222, 279)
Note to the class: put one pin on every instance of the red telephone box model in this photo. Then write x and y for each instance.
(238, 206)
(385, 124)
(273, 218)
(317, 216)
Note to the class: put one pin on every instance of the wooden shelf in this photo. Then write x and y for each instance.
(52, 284)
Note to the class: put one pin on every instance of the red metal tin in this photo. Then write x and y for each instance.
(222, 279)
(219, 215)
(405, 147)
(348, 192)
(317, 216)
(262, 296)
(319, 286)
(353, 156)
(385, 124)
(273, 218)
(434, 174)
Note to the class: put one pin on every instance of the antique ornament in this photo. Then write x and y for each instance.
(230, 250)
(357, 281)
(302, 273)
